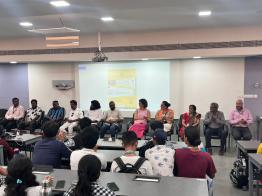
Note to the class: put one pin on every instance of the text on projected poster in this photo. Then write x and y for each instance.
(122, 87)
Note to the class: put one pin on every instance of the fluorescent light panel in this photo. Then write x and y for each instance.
(62, 38)
(205, 13)
(26, 24)
(62, 45)
(144, 59)
(13, 62)
(59, 3)
(197, 57)
(107, 19)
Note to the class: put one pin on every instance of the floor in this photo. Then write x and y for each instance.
(222, 183)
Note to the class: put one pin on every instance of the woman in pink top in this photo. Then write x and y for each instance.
(141, 117)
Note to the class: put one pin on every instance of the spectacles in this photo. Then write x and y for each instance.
(72, 114)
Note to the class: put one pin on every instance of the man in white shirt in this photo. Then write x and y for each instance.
(73, 119)
(32, 118)
(15, 113)
(130, 157)
(89, 136)
(161, 156)
(112, 120)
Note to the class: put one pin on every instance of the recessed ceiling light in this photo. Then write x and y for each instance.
(13, 62)
(145, 59)
(107, 19)
(26, 24)
(197, 57)
(204, 13)
(59, 3)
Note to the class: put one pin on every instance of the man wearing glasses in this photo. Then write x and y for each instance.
(73, 119)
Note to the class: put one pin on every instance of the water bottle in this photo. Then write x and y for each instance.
(16, 152)
(46, 189)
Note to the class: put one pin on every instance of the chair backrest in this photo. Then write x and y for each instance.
(2, 113)
(180, 121)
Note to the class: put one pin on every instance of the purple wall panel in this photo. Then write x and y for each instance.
(253, 74)
(13, 83)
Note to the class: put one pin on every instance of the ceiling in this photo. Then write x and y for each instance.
(130, 15)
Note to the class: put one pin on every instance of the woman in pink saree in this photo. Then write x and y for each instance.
(141, 118)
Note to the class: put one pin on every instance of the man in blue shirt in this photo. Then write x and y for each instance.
(56, 113)
(50, 151)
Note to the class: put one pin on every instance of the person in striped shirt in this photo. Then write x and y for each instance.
(56, 113)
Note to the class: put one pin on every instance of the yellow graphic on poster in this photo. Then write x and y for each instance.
(122, 87)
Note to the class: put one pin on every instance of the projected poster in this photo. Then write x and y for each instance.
(122, 87)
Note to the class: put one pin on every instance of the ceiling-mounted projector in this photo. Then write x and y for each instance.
(99, 55)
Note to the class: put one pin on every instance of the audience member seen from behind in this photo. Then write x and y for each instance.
(7, 149)
(73, 119)
(75, 143)
(165, 115)
(112, 120)
(214, 125)
(50, 151)
(141, 118)
(32, 118)
(95, 114)
(191, 118)
(20, 181)
(130, 158)
(15, 113)
(191, 162)
(160, 156)
(89, 136)
(56, 113)
(154, 125)
(88, 171)
(239, 120)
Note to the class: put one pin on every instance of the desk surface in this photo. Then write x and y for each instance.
(25, 138)
(117, 144)
(256, 159)
(166, 187)
(246, 146)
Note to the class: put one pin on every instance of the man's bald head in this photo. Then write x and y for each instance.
(239, 104)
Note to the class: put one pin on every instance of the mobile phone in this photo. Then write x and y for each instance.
(60, 184)
(112, 186)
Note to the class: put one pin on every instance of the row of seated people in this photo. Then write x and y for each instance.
(159, 160)
(214, 120)
(16, 117)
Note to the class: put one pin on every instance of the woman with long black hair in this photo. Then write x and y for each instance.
(88, 173)
(20, 181)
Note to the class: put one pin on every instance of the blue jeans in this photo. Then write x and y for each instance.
(109, 128)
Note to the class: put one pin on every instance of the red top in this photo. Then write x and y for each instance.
(9, 150)
(194, 164)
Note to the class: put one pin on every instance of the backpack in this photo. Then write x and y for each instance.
(129, 168)
(238, 174)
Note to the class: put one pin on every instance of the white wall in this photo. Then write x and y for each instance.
(40, 78)
(202, 81)
(199, 82)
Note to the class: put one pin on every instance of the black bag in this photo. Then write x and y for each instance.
(129, 168)
(238, 174)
